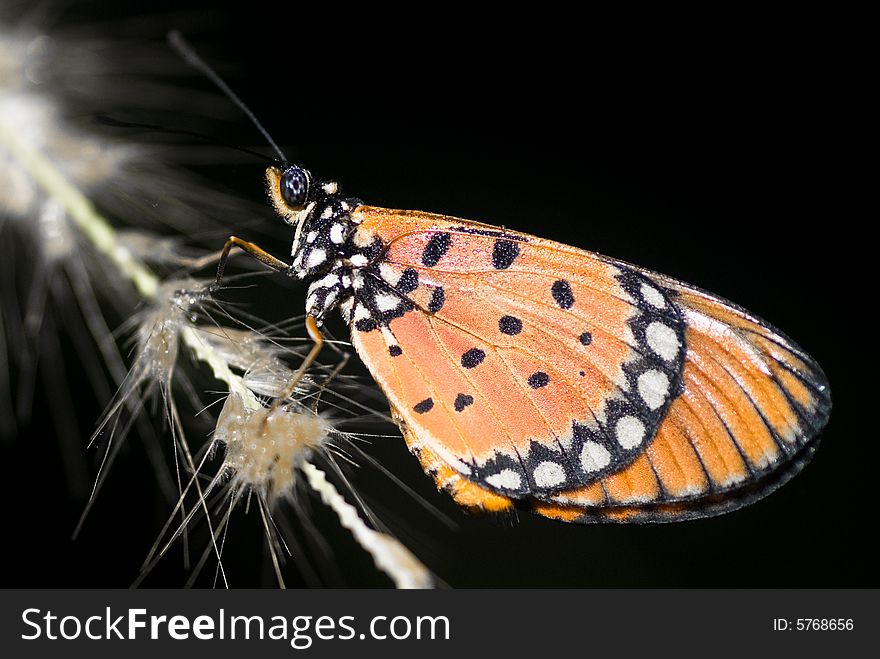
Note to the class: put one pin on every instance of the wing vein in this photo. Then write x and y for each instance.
(434, 394)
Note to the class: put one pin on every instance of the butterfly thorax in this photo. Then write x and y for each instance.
(342, 263)
(330, 253)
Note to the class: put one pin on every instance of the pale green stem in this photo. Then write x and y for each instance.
(388, 553)
(390, 556)
(79, 209)
(220, 367)
(102, 234)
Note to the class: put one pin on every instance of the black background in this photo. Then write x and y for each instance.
(727, 151)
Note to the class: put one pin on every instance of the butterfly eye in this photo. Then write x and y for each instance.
(295, 186)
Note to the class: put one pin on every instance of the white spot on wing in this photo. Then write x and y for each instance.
(386, 301)
(359, 260)
(663, 340)
(506, 479)
(653, 388)
(310, 236)
(389, 337)
(389, 273)
(594, 457)
(361, 312)
(548, 474)
(362, 238)
(733, 479)
(451, 459)
(653, 296)
(629, 431)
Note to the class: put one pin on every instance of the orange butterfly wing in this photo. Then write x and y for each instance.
(527, 369)
(752, 402)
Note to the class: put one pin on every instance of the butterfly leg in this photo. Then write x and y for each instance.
(257, 252)
(330, 377)
(318, 343)
(311, 324)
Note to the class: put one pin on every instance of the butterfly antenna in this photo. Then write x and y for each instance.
(107, 120)
(179, 44)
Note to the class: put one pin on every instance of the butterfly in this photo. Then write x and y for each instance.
(524, 373)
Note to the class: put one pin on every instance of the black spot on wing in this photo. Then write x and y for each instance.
(561, 291)
(395, 351)
(510, 325)
(438, 298)
(435, 248)
(538, 380)
(462, 401)
(409, 281)
(472, 358)
(423, 406)
(504, 253)
(586, 338)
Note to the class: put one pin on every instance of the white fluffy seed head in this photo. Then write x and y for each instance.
(158, 332)
(265, 447)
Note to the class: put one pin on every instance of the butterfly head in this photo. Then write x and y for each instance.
(324, 250)
(306, 205)
(290, 190)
